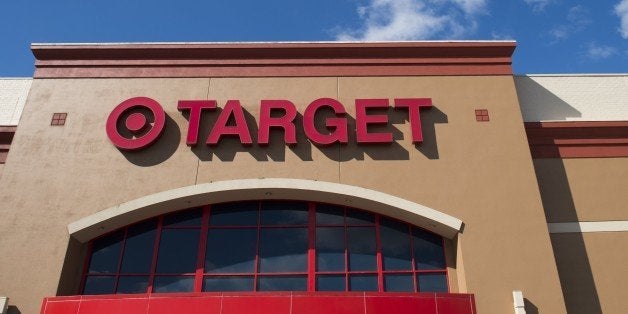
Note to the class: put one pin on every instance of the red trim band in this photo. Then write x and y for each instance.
(6, 137)
(587, 139)
(273, 59)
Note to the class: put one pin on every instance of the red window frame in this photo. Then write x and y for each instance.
(311, 273)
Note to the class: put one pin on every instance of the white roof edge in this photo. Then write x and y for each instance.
(16, 78)
(273, 42)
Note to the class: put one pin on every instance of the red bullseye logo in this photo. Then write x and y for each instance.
(136, 123)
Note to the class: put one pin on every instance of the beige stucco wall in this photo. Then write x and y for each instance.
(593, 271)
(583, 189)
(481, 173)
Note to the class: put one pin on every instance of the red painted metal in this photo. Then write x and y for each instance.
(587, 139)
(414, 106)
(363, 120)
(202, 247)
(264, 303)
(195, 108)
(153, 264)
(285, 122)
(338, 125)
(240, 129)
(311, 250)
(380, 261)
(274, 59)
(311, 271)
(122, 249)
(144, 140)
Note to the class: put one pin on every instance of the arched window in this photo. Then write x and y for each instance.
(267, 246)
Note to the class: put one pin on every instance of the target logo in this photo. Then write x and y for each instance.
(136, 123)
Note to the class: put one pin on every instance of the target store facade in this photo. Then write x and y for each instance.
(407, 177)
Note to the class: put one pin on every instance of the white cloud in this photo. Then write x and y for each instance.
(560, 32)
(387, 20)
(538, 5)
(596, 52)
(472, 6)
(577, 20)
(621, 9)
(501, 36)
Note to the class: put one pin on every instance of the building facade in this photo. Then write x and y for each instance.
(419, 177)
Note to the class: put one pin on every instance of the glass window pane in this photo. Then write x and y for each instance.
(283, 250)
(228, 283)
(329, 215)
(433, 282)
(362, 248)
(330, 283)
(330, 249)
(99, 285)
(428, 250)
(231, 250)
(106, 253)
(363, 283)
(282, 283)
(359, 217)
(284, 213)
(186, 218)
(132, 284)
(173, 284)
(234, 214)
(178, 249)
(138, 249)
(398, 283)
(395, 240)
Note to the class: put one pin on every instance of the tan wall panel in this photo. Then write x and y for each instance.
(583, 189)
(480, 172)
(592, 268)
(232, 160)
(59, 174)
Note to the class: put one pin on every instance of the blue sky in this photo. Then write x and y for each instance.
(554, 36)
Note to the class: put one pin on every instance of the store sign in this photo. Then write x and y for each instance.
(138, 122)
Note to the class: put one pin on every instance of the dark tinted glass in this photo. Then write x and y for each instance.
(132, 284)
(283, 250)
(173, 284)
(432, 282)
(362, 248)
(359, 217)
(231, 250)
(228, 283)
(99, 285)
(330, 283)
(177, 251)
(363, 283)
(138, 249)
(282, 283)
(395, 240)
(329, 215)
(428, 250)
(186, 218)
(399, 283)
(234, 214)
(330, 248)
(106, 253)
(284, 213)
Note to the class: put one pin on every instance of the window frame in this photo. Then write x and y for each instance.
(311, 272)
